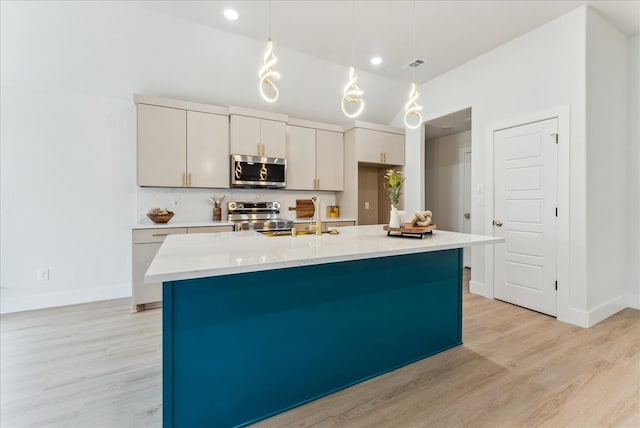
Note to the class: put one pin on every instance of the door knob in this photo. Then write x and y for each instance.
(497, 223)
(467, 215)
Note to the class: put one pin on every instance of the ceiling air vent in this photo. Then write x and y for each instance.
(414, 64)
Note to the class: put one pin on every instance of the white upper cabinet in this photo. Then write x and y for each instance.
(315, 159)
(379, 147)
(178, 147)
(245, 136)
(162, 142)
(301, 158)
(273, 135)
(207, 150)
(258, 133)
(329, 160)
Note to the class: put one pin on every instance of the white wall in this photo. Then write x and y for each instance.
(606, 166)
(444, 179)
(68, 150)
(633, 174)
(542, 69)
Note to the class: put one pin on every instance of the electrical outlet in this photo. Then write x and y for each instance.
(43, 274)
(176, 203)
(366, 205)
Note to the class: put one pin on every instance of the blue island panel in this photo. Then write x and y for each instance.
(240, 348)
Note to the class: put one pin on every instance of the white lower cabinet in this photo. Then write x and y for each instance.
(146, 243)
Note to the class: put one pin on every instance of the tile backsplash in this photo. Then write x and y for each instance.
(191, 204)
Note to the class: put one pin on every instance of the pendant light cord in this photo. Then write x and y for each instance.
(413, 40)
(353, 24)
(269, 19)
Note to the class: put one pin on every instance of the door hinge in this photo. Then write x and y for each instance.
(556, 211)
(556, 137)
(556, 285)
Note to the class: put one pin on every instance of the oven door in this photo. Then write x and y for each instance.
(258, 171)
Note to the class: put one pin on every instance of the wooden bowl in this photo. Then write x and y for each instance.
(161, 218)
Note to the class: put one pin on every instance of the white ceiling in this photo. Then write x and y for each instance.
(447, 33)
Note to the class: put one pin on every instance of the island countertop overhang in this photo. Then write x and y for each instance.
(193, 256)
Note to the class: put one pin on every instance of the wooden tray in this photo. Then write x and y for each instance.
(409, 231)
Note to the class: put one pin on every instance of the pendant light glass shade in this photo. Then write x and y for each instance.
(351, 96)
(267, 75)
(412, 116)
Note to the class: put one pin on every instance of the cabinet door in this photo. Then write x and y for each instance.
(162, 143)
(393, 148)
(329, 160)
(207, 150)
(245, 136)
(273, 135)
(369, 145)
(143, 293)
(301, 158)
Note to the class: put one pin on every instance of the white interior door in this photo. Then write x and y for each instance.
(525, 214)
(466, 207)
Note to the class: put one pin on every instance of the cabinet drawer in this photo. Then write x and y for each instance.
(144, 236)
(210, 229)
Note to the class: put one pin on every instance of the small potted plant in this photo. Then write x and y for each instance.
(393, 181)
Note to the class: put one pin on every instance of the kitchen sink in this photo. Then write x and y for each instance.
(298, 232)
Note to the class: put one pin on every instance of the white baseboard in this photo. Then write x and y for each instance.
(480, 288)
(633, 301)
(11, 304)
(593, 316)
(606, 309)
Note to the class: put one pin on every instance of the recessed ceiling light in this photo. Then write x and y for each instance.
(376, 60)
(231, 14)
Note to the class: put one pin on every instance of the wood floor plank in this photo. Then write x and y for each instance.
(98, 365)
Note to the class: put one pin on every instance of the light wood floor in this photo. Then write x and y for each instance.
(97, 365)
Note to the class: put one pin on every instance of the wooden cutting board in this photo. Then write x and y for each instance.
(304, 208)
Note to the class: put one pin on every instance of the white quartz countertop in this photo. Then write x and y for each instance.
(202, 255)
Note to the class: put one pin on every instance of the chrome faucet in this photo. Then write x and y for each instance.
(317, 225)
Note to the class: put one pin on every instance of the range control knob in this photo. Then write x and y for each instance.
(276, 205)
(232, 205)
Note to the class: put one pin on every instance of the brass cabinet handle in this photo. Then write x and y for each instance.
(318, 185)
(262, 154)
(189, 179)
(160, 234)
(497, 223)
(183, 176)
(381, 158)
(467, 215)
(259, 149)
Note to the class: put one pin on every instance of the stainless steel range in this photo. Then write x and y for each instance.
(258, 216)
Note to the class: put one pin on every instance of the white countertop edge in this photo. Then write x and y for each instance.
(362, 255)
(170, 224)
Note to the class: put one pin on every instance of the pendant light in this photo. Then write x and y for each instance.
(412, 116)
(352, 93)
(266, 74)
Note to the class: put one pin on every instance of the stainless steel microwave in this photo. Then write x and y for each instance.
(258, 171)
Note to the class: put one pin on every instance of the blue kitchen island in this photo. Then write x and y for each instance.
(255, 325)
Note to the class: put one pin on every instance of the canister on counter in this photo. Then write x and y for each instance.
(333, 211)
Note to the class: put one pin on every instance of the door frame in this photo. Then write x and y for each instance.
(562, 113)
